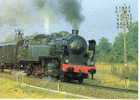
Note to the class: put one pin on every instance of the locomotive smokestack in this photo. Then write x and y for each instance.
(74, 31)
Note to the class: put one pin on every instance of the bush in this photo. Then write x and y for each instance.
(131, 72)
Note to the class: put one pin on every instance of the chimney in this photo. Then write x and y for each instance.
(74, 31)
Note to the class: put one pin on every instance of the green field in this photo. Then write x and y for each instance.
(10, 89)
(68, 87)
(104, 76)
(107, 75)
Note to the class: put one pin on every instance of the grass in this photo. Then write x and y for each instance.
(106, 77)
(72, 88)
(131, 71)
(10, 89)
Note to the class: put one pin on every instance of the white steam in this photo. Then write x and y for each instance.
(25, 13)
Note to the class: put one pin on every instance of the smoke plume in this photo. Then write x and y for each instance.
(71, 9)
(15, 12)
(27, 12)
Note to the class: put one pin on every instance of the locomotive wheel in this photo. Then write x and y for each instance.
(40, 76)
(29, 74)
(2, 68)
(80, 80)
(29, 71)
(68, 79)
(69, 76)
(64, 78)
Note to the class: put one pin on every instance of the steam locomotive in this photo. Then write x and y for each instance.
(67, 58)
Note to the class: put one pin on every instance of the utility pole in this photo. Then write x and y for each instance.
(124, 19)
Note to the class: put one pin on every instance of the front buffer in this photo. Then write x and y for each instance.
(71, 72)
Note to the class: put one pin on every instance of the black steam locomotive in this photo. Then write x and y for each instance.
(66, 58)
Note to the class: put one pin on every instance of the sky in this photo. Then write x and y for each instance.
(99, 19)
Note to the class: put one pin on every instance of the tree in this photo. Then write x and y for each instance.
(118, 49)
(60, 34)
(133, 42)
(132, 45)
(103, 50)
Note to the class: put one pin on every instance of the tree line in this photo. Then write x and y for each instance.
(107, 52)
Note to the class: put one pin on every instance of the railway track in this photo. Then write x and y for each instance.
(103, 87)
(111, 88)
